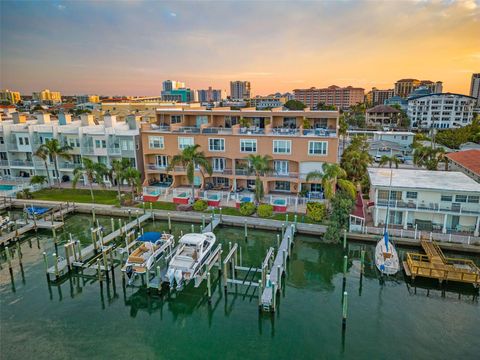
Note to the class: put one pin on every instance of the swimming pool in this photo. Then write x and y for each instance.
(280, 202)
(7, 187)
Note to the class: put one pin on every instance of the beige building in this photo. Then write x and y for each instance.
(382, 115)
(337, 96)
(227, 137)
(11, 96)
(47, 96)
(240, 90)
(377, 97)
(82, 99)
(405, 87)
(146, 109)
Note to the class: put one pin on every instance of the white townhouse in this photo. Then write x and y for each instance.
(429, 200)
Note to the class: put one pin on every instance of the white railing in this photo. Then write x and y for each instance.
(430, 206)
(418, 234)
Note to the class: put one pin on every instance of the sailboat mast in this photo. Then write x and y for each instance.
(388, 202)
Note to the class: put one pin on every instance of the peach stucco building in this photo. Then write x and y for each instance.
(297, 141)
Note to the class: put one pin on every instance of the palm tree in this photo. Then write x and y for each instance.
(342, 130)
(331, 176)
(117, 172)
(43, 155)
(53, 148)
(390, 160)
(93, 171)
(442, 157)
(355, 164)
(259, 164)
(191, 158)
(133, 178)
(38, 180)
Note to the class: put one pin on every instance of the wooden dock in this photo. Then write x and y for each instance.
(434, 265)
(278, 268)
(89, 251)
(210, 227)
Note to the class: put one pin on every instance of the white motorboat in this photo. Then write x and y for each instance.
(386, 257)
(141, 260)
(193, 250)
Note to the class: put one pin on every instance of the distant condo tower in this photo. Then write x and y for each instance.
(475, 88)
(240, 90)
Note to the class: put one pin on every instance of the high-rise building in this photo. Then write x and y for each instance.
(342, 98)
(82, 99)
(475, 88)
(377, 97)
(169, 85)
(12, 97)
(47, 96)
(240, 90)
(209, 95)
(405, 87)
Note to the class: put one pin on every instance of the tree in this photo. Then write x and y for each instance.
(454, 138)
(259, 164)
(429, 157)
(38, 180)
(191, 158)
(403, 119)
(341, 207)
(117, 172)
(92, 171)
(343, 129)
(133, 178)
(390, 160)
(42, 154)
(295, 105)
(331, 176)
(53, 148)
(356, 163)
(322, 106)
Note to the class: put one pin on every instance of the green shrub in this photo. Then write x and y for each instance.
(265, 210)
(316, 211)
(200, 205)
(247, 208)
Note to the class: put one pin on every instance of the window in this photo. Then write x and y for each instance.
(216, 144)
(282, 185)
(100, 144)
(103, 160)
(218, 164)
(183, 142)
(412, 194)
(175, 119)
(27, 141)
(155, 142)
(447, 198)
(473, 199)
(127, 145)
(1, 140)
(281, 167)
(20, 141)
(461, 198)
(317, 148)
(248, 145)
(162, 161)
(74, 142)
(282, 146)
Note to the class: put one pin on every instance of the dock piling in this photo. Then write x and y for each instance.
(344, 240)
(67, 257)
(55, 259)
(99, 273)
(260, 292)
(170, 224)
(203, 221)
(278, 241)
(112, 223)
(193, 228)
(159, 277)
(19, 252)
(344, 310)
(9, 257)
(209, 288)
(283, 230)
(362, 261)
(221, 218)
(245, 229)
(345, 264)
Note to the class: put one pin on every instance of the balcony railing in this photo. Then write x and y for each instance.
(319, 132)
(187, 130)
(433, 207)
(156, 167)
(4, 163)
(285, 132)
(252, 131)
(114, 151)
(66, 165)
(289, 175)
(222, 171)
(216, 130)
(21, 163)
(88, 150)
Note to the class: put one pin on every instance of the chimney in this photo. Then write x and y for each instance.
(109, 120)
(19, 118)
(43, 118)
(64, 119)
(87, 119)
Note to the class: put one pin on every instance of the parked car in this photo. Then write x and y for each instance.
(400, 157)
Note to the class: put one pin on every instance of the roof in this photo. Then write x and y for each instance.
(359, 210)
(383, 109)
(423, 179)
(469, 159)
(193, 238)
(437, 94)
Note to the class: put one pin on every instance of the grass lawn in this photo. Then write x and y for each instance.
(107, 197)
(160, 205)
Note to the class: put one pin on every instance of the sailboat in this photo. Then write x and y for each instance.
(386, 256)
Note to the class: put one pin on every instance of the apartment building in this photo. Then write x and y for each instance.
(83, 99)
(240, 90)
(48, 97)
(382, 115)
(21, 137)
(264, 102)
(475, 88)
(146, 109)
(426, 200)
(405, 87)
(337, 96)
(12, 97)
(441, 111)
(228, 136)
(377, 97)
(211, 95)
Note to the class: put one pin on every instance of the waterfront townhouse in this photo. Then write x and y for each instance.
(425, 200)
(297, 141)
(102, 142)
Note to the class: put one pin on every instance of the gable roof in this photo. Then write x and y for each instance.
(469, 159)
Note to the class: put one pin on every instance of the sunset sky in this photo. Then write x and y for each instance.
(130, 47)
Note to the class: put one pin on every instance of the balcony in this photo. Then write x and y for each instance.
(114, 151)
(289, 175)
(68, 165)
(319, 132)
(252, 131)
(222, 171)
(155, 167)
(216, 130)
(88, 150)
(21, 163)
(187, 130)
(4, 163)
(455, 208)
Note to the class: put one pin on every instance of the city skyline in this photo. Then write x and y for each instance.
(130, 47)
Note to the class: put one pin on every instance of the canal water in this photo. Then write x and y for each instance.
(80, 320)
